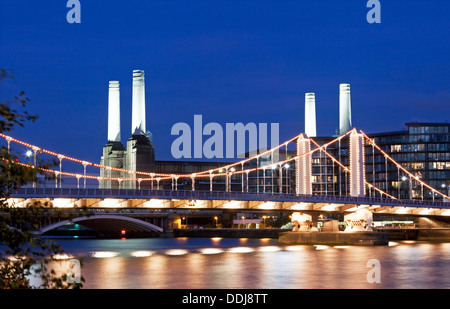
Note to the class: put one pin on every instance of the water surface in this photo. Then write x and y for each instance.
(228, 263)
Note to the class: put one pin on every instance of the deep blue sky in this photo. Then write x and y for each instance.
(231, 61)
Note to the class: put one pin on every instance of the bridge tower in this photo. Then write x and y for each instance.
(357, 173)
(303, 166)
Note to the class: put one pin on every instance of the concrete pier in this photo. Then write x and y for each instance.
(419, 234)
(334, 238)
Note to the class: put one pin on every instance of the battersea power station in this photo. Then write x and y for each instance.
(139, 153)
(422, 148)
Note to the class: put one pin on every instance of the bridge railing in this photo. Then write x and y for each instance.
(215, 195)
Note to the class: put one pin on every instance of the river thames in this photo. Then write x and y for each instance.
(239, 263)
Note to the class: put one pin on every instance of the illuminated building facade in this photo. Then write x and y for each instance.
(423, 149)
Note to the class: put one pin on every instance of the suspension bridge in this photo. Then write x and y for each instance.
(164, 193)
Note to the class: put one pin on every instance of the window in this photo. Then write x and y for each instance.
(439, 165)
(396, 148)
(439, 147)
(439, 156)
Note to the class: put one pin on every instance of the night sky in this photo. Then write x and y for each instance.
(230, 61)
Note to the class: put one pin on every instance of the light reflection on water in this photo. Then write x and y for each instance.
(207, 263)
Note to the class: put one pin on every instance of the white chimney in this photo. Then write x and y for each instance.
(345, 109)
(114, 112)
(310, 114)
(138, 106)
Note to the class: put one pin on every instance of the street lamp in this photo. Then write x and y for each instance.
(286, 166)
(264, 217)
(215, 218)
(33, 153)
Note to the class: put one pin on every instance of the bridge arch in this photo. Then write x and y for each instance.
(108, 223)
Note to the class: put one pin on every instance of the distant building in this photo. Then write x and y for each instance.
(423, 149)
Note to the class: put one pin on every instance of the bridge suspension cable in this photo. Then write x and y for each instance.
(160, 176)
(346, 169)
(227, 170)
(400, 167)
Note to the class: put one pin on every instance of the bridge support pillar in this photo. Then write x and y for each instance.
(165, 223)
(314, 218)
(357, 174)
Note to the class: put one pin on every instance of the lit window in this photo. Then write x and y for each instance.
(396, 148)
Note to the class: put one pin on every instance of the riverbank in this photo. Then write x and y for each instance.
(419, 234)
(393, 234)
(372, 238)
(334, 238)
(227, 233)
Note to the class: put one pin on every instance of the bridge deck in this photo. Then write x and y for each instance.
(75, 193)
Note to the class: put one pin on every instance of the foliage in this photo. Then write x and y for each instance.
(24, 256)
